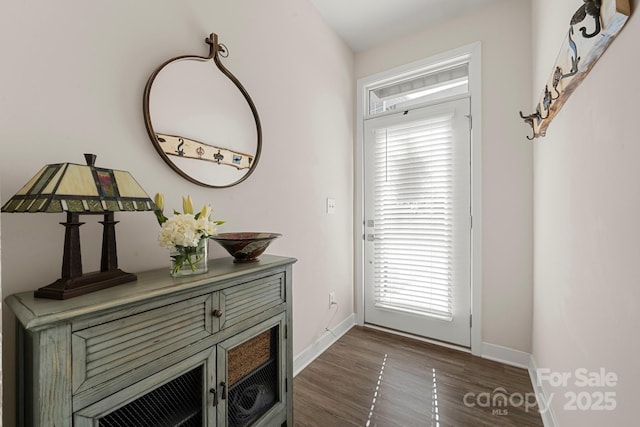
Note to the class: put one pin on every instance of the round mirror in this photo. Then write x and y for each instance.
(201, 120)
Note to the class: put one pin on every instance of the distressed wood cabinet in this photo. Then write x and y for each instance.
(220, 341)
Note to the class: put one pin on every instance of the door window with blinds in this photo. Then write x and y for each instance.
(417, 211)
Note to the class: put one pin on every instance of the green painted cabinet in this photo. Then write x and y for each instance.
(207, 350)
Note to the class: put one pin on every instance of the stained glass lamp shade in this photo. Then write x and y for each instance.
(82, 189)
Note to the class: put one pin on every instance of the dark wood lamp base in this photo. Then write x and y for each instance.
(90, 282)
(73, 283)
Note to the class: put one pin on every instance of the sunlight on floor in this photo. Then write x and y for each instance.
(375, 394)
(435, 417)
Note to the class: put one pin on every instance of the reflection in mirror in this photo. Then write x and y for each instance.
(201, 120)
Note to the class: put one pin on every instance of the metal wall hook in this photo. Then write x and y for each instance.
(589, 8)
(547, 100)
(529, 120)
(557, 76)
(575, 59)
(224, 51)
(216, 49)
(533, 136)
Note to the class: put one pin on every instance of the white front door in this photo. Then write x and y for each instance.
(418, 222)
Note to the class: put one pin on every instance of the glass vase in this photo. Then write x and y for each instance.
(189, 260)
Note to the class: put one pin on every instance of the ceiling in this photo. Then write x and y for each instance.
(367, 23)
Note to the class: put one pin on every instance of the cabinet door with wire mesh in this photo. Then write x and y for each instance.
(418, 221)
(254, 380)
(183, 395)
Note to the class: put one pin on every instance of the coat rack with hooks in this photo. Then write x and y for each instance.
(592, 28)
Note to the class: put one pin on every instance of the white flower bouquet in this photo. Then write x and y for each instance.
(185, 234)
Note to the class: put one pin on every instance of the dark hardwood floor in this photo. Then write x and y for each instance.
(373, 378)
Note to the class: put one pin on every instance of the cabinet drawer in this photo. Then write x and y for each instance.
(107, 351)
(249, 299)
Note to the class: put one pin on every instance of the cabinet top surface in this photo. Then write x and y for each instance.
(38, 312)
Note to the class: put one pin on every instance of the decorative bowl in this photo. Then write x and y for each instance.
(245, 246)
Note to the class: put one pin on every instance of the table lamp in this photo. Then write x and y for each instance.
(82, 189)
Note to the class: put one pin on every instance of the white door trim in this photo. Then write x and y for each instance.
(474, 52)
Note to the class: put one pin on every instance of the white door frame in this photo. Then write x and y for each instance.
(474, 53)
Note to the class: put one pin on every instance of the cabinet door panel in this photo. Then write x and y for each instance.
(179, 395)
(243, 301)
(253, 373)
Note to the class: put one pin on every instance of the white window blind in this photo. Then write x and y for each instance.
(415, 213)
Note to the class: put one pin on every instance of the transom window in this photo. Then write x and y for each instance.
(425, 86)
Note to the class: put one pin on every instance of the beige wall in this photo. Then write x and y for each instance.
(587, 233)
(74, 74)
(1, 394)
(505, 32)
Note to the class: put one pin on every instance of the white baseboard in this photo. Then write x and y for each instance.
(310, 353)
(524, 360)
(505, 355)
(546, 413)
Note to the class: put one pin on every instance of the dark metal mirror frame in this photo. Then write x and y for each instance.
(216, 51)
